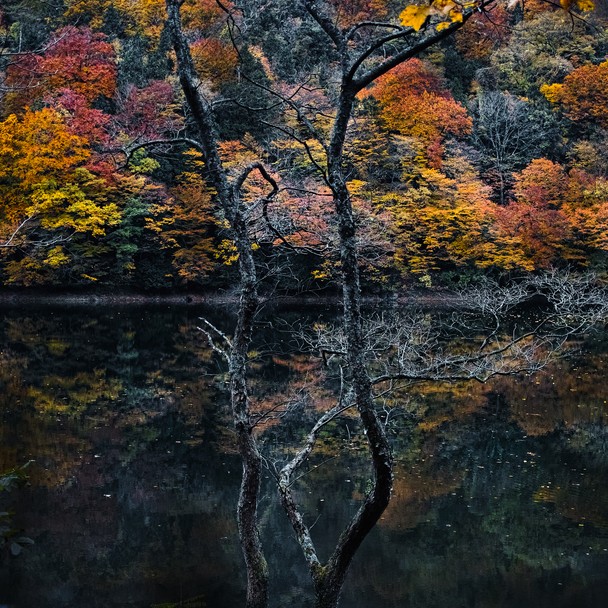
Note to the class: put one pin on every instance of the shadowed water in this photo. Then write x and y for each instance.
(501, 491)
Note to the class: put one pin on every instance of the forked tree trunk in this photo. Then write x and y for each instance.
(328, 579)
(329, 585)
(228, 197)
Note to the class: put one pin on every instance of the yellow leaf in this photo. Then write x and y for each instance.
(456, 15)
(552, 92)
(414, 16)
(443, 25)
(56, 257)
(585, 5)
(443, 4)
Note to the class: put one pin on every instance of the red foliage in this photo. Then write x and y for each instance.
(147, 113)
(536, 218)
(80, 118)
(75, 58)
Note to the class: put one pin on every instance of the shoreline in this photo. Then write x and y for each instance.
(59, 299)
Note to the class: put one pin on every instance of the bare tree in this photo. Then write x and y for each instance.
(364, 52)
(359, 66)
(509, 134)
(228, 191)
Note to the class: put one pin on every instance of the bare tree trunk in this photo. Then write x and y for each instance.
(228, 196)
(329, 585)
(257, 570)
(328, 579)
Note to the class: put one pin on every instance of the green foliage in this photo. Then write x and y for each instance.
(545, 49)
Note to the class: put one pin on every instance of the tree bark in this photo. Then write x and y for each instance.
(228, 196)
(328, 586)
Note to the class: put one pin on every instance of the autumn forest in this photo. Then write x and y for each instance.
(366, 150)
(483, 154)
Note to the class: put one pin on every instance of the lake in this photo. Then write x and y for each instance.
(501, 490)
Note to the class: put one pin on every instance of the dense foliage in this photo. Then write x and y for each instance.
(485, 155)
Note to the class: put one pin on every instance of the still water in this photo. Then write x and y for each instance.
(501, 491)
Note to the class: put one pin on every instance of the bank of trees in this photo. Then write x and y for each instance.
(325, 132)
(435, 160)
(315, 122)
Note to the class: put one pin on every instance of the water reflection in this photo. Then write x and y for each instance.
(501, 491)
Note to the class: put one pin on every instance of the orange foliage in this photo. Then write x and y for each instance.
(583, 94)
(36, 149)
(535, 218)
(214, 60)
(349, 12)
(44, 182)
(415, 102)
(203, 15)
(483, 33)
(586, 209)
(441, 221)
(541, 184)
(147, 17)
(186, 225)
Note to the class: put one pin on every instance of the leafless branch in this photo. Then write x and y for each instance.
(209, 331)
(9, 241)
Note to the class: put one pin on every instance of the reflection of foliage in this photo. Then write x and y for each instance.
(537, 536)
(592, 440)
(74, 394)
(160, 451)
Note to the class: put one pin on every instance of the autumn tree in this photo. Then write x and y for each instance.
(75, 58)
(536, 218)
(583, 93)
(415, 102)
(47, 190)
(338, 70)
(361, 59)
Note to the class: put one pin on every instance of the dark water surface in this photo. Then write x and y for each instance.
(501, 491)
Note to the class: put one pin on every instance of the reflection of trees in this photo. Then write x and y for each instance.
(483, 534)
(105, 373)
(569, 392)
(125, 486)
(135, 530)
(482, 509)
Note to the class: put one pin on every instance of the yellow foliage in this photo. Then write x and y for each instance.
(33, 149)
(583, 5)
(552, 92)
(56, 257)
(227, 252)
(415, 16)
(41, 175)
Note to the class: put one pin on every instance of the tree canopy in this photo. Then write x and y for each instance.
(438, 149)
